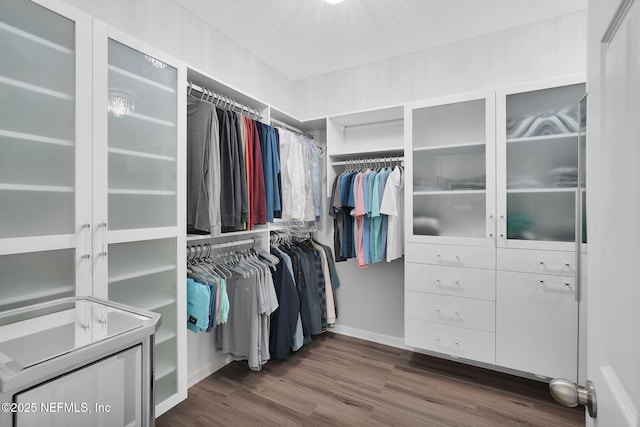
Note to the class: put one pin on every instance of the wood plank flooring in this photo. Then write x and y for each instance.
(342, 381)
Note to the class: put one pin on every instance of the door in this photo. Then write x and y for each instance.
(614, 271)
(451, 165)
(45, 150)
(138, 197)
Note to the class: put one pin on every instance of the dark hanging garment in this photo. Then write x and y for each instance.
(231, 198)
(228, 155)
(242, 165)
(258, 196)
(277, 213)
(199, 117)
(284, 320)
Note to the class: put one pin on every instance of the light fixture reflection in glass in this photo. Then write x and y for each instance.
(333, 1)
(156, 63)
(120, 104)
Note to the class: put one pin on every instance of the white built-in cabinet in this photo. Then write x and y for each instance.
(490, 262)
(450, 193)
(537, 286)
(91, 172)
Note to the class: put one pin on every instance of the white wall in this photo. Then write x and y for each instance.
(534, 52)
(167, 26)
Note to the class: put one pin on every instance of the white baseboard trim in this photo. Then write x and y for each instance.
(370, 336)
(202, 373)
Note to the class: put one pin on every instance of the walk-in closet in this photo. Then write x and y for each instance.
(319, 212)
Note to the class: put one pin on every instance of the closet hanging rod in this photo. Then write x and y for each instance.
(371, 124)
(222, 101)
(391, 159)
(200, 248)
(278, 123)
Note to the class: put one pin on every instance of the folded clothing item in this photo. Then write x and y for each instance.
(552, 123)
(470, 183)
(424, 225)
(564, 177)
(519, 226)
(523, 181)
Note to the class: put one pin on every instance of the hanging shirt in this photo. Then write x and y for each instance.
(393, 206)
(359, 213)
(199, 167)
(284, 319)
(229, 174)
(366, 227)
(258, 195)
(198, 303)
(379, 221)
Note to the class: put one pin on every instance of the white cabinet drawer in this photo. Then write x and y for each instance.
(537, 324)
(455, 281)
(456, 311)
(537, 261)
(450, 255)
(451, 340)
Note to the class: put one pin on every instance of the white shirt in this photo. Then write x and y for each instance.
(393, 206)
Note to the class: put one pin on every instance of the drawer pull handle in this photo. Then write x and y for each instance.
(458, 259)
(454, 314)
(447, 342)
(565, 264)
(456, 284)
(542, 283)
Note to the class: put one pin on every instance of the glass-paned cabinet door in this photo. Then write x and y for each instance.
(44, 151)
(451, 167)
(143, 274)
(541, 179)
(141, 106)
(138, 176)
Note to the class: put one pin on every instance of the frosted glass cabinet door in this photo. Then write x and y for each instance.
(142, 109)
(143, 274)
(452, 169)
(542, 163)
(45, 148)
(37, 121)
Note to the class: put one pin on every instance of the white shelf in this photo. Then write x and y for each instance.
(141, 273)
(450, 146)
(37, 89)
(198, 237)
(35, 138)
(163, 370)
(151, 119)
(447, 192)
(141, 154)
(348, 162)
(163, 337)
(31, 244)
(38, 188)
(560, 136)
(542, 190)
(141, 192)
(31, 37)
(155, 305)
(140, 234)
(48, 294)
(145, 80)
(374, 152)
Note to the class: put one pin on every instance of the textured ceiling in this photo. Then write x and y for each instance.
(303, 38)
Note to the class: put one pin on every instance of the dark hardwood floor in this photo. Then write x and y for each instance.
(343, 381)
